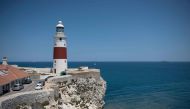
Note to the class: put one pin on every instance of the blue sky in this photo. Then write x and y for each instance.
(97, 30)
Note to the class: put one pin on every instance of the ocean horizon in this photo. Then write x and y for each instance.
(139, 85)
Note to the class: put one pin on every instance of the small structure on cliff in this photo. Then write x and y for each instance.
(4, 61)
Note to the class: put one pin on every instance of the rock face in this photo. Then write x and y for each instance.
(28, 100)
(84, 92)
(78, 91)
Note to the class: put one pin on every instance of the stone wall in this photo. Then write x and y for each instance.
(28, 100)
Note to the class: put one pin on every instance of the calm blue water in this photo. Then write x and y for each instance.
(140, 85)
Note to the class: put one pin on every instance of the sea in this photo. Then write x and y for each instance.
(140, 85)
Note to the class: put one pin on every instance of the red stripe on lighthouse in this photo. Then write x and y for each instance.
(60, 53)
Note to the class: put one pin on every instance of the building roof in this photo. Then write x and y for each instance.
(9, 73)
(3, 67)
(3, 80)
(60, 24)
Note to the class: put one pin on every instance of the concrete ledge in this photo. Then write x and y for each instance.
(59, 79)
(84, 73)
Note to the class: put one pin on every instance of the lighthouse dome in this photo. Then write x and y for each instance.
(60, 24)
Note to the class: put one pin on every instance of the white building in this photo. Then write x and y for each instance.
(10, 75)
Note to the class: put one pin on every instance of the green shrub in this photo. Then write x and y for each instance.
(63, 73)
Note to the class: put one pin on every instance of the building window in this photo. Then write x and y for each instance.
(60, 39)
(60, 29)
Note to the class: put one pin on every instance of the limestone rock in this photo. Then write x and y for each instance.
(84, 92)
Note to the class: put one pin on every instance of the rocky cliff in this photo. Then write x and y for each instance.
(83, 90)
(79, 91)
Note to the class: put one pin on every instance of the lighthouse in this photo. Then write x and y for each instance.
(60, 51)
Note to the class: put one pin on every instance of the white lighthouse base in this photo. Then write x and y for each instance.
(59, 66)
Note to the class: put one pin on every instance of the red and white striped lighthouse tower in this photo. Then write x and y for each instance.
(60, 51)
